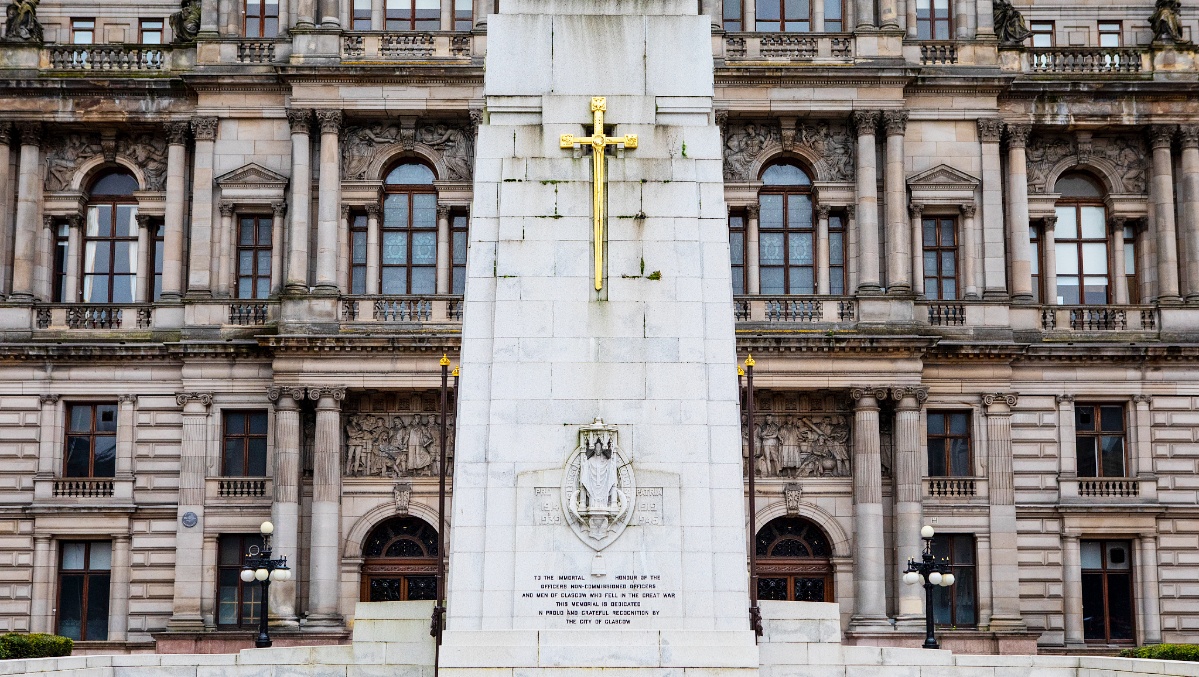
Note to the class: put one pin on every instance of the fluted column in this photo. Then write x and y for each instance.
(823, 277)
(899, 238)
(324, 589)
(176, 203)
(199, 278)
(1119, 273)
(301, 201)
(189, 540)
(869, 279)
(29, 223)
(1151, 621)
(285, 508)
(49, 438)
(41, 603)
(994, 259)
(1049, 257)
(329, 202)
(372, 248)
(1161, 195)
(982, 547)
(1141, 455)
(279, 212)
(126, 435)
(443, 249)
(1018, 242)
(870, 588)
(6, 198)
(753, 267)
(208, 583)
(916, 215)
(1189, 137)
(908, 496)
(1005, 561)
(118, 601)
(1072, 589)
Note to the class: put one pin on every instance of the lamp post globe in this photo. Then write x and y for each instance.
(931, 573)
(258, 565)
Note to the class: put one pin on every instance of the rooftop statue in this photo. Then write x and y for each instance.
(1165, 22)
(186, 22)
(22, 24)
(1009, 24)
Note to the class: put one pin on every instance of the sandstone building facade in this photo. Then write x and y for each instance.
(965, 248)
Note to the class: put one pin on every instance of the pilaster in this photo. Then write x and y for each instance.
(1005, 561)
(870, 589)
(325, 558)
(189, 538)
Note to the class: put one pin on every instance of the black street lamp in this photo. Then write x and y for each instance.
(932, 573)
(258, 566)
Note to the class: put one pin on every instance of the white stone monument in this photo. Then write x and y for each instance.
(599, 515)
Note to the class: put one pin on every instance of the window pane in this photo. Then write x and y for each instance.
(832, 10)
(105, 463)
(424, 211)
(458, 255)
(1092, 555)
(424, 281)
(234, 458)
(81, 418)
(936, 424)
(227, 597)
(965, 610)
(771, 211)
(424, 248)
(79, 457)
(106, 418)
(1119, 606)
(74, 556)
(960, 458)
(1118, 555)
(1093, 611)
(768, 10)
(936, 458)
(801, 252)
(97, 607)
(258, 423)
(1113, 456)
(1067, 224)
(395, 211)
(802, 281)
(70, 606)
(100, 556)
(1094, 258)
(799, 211)
(1087, 465)
(1111, 419)
(737, 248)
(770, 249)
(395, 248)
(772, 280)
(394, 281)
(257, 460)
(1094, 222)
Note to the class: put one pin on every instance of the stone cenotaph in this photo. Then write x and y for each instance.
(598, 517)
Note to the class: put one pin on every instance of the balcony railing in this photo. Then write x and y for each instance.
(128, 58)
(406, 46)
(951, 488)
(83, 487)
(1087, 60)
(788, 47)
(938, 53)
(250, 314)
(794, 309)
(93, 316)
(1108, 487)
(401, 309)
(256, 51)
(947, 314)
(1099, 318)
(241, 487)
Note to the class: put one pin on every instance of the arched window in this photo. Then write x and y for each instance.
(1081, 246)
(787, 231)
(408, 235)
(110, 256)
(400, 561)
(794, 561)
(797, 16)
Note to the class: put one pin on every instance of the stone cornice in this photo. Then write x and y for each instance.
(424, 343)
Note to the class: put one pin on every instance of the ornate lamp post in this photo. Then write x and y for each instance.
(258, 566)
(933, 574)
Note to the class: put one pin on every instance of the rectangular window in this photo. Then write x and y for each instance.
(413, 15)
(158, 248)
(1109, 33)
(836, 255)
(91, 447)
(940, 258)
(1034, 239)
(1099, 436)
(464, 15)
(1107, 596)
(458, 247)
(786, 243)
(83, 582)
(83, 31)
(150, 32)
(254, 257)
(737, 251)
(110, 254)
(62, 235)
(949, 448)
(1042, 33)
(732, 16)
(358, 254)
(956, 605)
(834, 16)
(245, 444)
(787, 16)
(362, 15)
(238, 603)
(1130, 264)
(1080, 248)
(933, 20)
(262, 18)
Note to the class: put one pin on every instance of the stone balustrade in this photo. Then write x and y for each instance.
(256, 51)
(795, 309)
(129, 58)
(394, 309)
(1108, 489)
(954, 487)
(84, 487)
(938, 52)
(814, 47)
(61, 316)
(1075, 61)
(219, 488)
(1100, 318)
(406, 46)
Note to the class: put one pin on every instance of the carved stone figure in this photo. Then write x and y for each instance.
(1125, 155)
(185, 23)
(420, 442)
(743, 146)
(22, 24)
(455, 147)
(359, 146)
(829, 142)
(792, 446)
(768, 441)
(149, 152)
(394, 446)
(1164, 21)
(65, 154)
(1010, 28)
(598, 491)
(362, 144)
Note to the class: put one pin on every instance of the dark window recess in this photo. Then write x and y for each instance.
(737, 251)
(956, 605)
(91, 447)
(238, 603)
(1099, 438)
(794, 561)
(83, 582)
(458, 245)
(400, 562)
(1107, 597)
(949, 448)
(254, 257)
(245, 444)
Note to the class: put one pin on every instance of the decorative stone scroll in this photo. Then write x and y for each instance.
(814, 441)
(453, 143)
(599, 492)
(830, 143)
(66, 153)
(1124, 155)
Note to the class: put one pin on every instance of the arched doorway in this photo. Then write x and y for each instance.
(400, 561)
(794, 561)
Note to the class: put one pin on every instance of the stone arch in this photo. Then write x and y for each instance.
(363, 526)
(89, 169)
(840, 541)
(1100, 168)
(774, 153)
(389, 156)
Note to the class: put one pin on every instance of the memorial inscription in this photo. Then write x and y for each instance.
(577, 600)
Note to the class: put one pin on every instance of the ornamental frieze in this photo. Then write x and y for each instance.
(66, 153)
(452, 143)
(800, 435)
(1125, 155)
(829, 143)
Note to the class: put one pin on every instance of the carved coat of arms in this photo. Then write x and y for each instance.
(598, 490)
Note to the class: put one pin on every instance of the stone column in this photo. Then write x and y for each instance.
(869, 279)
(916, 213)
(851, 248)
(1005, 561)
(230, 18)
(984, 11)
(224, 268)
(447, 15)
(443, 249)
(285, 509)
(1161, 195)
(1151, 621)
(970, 258)
(28, 224)
(208, 586)
(43, 271)
(823, 276)
(176, 203)
(329, 202)
(343, 250)
(199, 279)
(749, 13)
(305, 13)
(753, 269)
(1049, 257)
(377, 16)
(1018, 241)
(41, 603)
(279, 210)
(1072, 589)
(982, 545)
(888, 11)
(870, 588)
(1119, 273)
(899, 240)
(189, 540)
(126, 436)
(49, 439)
(143, 291)
(118, 601)
(817, 18)
(74, 254)
(481, 9)
(1189, 137)
(912, 29)
(301, 201)
(1067, 444)
(324, 588)
(994, 260)
(209, 17)
(6, 197)
(908, 497)
(864, 11)
(330, 14)
(372, 248)
(962, 18)
(1142, 453)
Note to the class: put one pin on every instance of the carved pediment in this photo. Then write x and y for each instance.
(252, 175)
(943, 177)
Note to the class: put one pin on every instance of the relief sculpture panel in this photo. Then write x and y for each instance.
(395, 444)
(800, 435)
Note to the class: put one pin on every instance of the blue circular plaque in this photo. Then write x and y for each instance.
(190, 519)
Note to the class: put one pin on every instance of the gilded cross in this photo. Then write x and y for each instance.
(598, 143)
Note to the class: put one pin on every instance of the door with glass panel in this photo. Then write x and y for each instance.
(1108, 609)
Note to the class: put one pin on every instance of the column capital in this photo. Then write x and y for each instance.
(916, 210)
(721, 117)
(990, 130)
(822, 211)
(865, 394)
(48, 221)
(47, 399)
(31, 133)
(1143, 399)
(281, 395)
(330, 120)
(443, 211)
(345, 212)
(1050, 221)
(300, 120)
(226, 209)
(752, 210)
(176, 133)
(968, 210)
(130, 399)
(1017, 135)
(373, 210)
(476, 116)
(1117, 222)
(184, 399)
(143, 220)
(1062, 399)
(326, 393)
(279, 208)
(905, 395)
(1162, 136)
(851, 212)
(999, 402)
(895, 122)
(865, 122)
(1188, 135)
(204, 128)
(5, 133)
